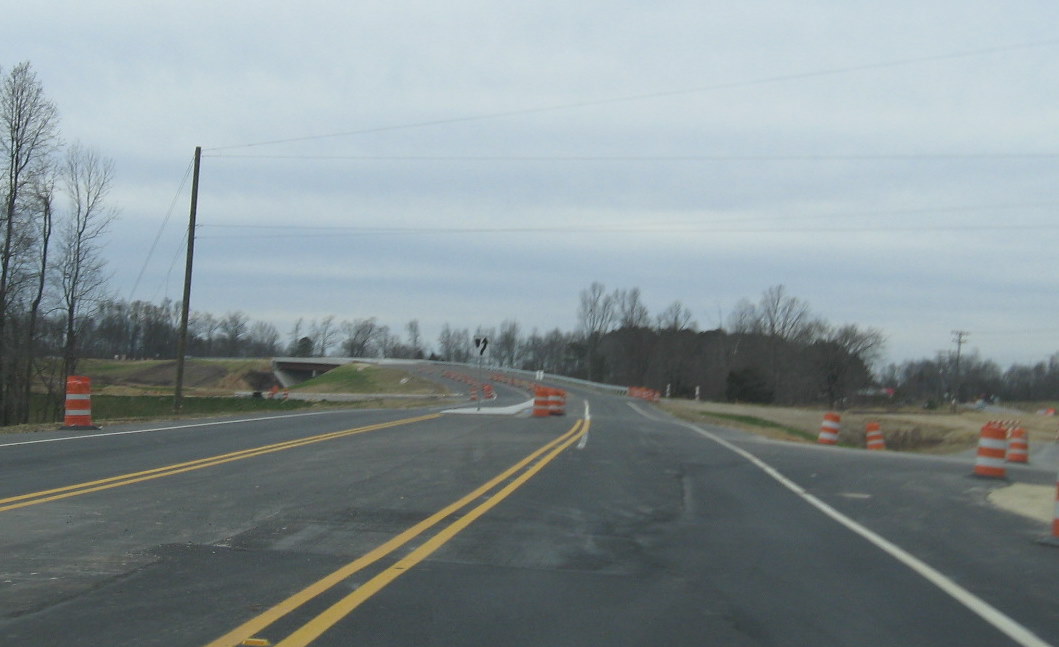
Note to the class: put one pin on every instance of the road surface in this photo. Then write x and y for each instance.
(619, 527)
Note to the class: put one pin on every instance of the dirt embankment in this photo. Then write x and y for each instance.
(909, 429)
(201, 377)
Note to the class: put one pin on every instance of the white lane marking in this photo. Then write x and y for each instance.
(173, 428)
(645, 413)
(584, 439)
(983, 609)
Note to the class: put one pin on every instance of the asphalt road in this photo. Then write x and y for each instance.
(417, 528)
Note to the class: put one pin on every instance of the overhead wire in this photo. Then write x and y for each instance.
(315, 231)
(781, 78)
(158, 236)
(650, 158)
(596, 230)
(163, 287)
(224, 151)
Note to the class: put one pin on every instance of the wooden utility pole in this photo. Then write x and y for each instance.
(958, 337)
(182, 342)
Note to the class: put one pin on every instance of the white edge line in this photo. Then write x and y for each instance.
(983, 609)
(646, 414)
(584, 438)
(173, 428)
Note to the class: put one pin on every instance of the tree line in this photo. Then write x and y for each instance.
(53, 220)
(773, 350)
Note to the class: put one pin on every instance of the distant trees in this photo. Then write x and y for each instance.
(774, 351)
(933, 382)
(53, 219)
(506, 346)
(454, 345)
(595, 317)
(359, 337)
(80, 274)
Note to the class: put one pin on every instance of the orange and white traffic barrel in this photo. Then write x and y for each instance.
(1053, 539)
(556, 402)
(541, 402)
(1055, 515)
(829, 429)
(874, 437)
(992, 448)
(78, 403)
(1018, 445)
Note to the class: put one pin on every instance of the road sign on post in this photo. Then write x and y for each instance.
(480, 343)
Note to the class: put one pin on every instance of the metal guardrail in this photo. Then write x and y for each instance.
(529, 375)
(546, 377)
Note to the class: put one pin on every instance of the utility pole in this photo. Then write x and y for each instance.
(958, 337)
(182, 342)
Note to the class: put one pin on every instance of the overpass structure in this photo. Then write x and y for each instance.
(294, 370)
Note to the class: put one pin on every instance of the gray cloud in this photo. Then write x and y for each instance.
(817, 168)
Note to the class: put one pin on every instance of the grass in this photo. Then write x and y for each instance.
(133, 408)
(142, 407)
(905, 429)
(748, 422)
(754, 421)
(135, 390)
(367, 378)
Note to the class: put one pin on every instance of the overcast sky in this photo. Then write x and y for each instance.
(892, 164)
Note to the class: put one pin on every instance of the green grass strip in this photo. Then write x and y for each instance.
(110, 407)
(754, 421)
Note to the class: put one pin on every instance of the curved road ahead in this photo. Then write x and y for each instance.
(619, 527)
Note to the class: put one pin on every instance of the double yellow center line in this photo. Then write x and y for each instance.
(497, 489)
(24, 500)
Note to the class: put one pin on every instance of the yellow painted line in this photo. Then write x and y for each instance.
(321, 623)
(45, 496)
(254, 626)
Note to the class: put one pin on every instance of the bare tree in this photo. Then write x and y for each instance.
(43, 197)
(783, 317)
(447, 343)
(325, 334)
(676, 317)
(505, 347)
(630, 311)
(295, 338)
(360, 336)
(389, 344)
(204, 326)
(744, 318)
(264, 339)
(87, 178)
(234, 329)
(414, 339)
(454, 344)
(29, 138)
(595, 316)
(843, 358)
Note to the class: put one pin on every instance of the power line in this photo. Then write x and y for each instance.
(648, 158)
(1036, 331)
(165, 221)
(331, 232)
(711, 225)
(653, 95)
